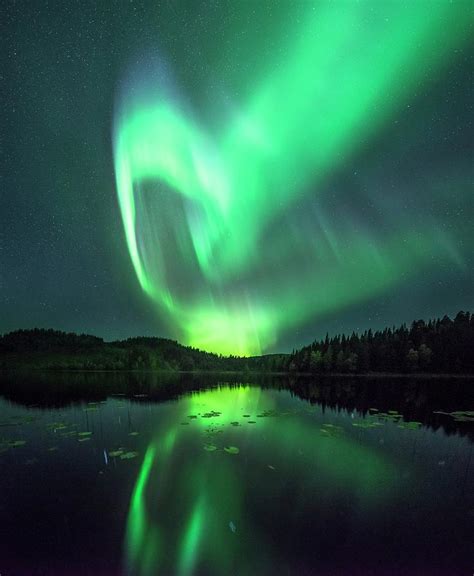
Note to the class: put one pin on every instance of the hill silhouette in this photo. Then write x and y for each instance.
(440, 346)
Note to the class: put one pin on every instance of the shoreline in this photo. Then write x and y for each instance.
(316, 376)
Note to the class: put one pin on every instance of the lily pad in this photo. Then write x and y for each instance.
(367, 424)
(84, 439)
(57, 425)
(210, 447)
(16, 443)
(268, 413)
(331, 431)
(129, 455)
(211, 414)
(388, 417)
(463, 415)
(463, 419)
(115, 453)
(84, 433)
(410, 425)
(133, 433)
(231, 449)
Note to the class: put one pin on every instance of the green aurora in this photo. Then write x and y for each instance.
(211, 217)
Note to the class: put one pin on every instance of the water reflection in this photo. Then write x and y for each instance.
(429, 401)
(143, 474)
(204, 511)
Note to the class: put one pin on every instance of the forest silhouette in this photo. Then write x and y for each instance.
(440, 346)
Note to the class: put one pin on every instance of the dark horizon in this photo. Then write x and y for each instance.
(437, 346)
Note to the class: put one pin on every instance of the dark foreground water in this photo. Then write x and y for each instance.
(106, 474)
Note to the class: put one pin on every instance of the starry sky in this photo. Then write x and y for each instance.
(240, 176)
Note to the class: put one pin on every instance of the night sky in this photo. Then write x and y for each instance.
(240, 176)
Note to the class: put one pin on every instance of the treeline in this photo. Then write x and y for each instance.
(441, 346)
(52, 349)
(56, 350)
(40, 340)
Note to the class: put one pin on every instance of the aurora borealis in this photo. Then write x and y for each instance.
(241, 179)
(213, 218)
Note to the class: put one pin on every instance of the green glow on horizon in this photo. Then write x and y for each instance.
(345, 72)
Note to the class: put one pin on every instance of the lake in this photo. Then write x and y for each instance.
(145, 474)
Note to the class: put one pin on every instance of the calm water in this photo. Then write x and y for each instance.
(106, 474)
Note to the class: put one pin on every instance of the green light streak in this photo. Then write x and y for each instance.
(345, 72)
(191, 540)
(143, 538)
(142, 543)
